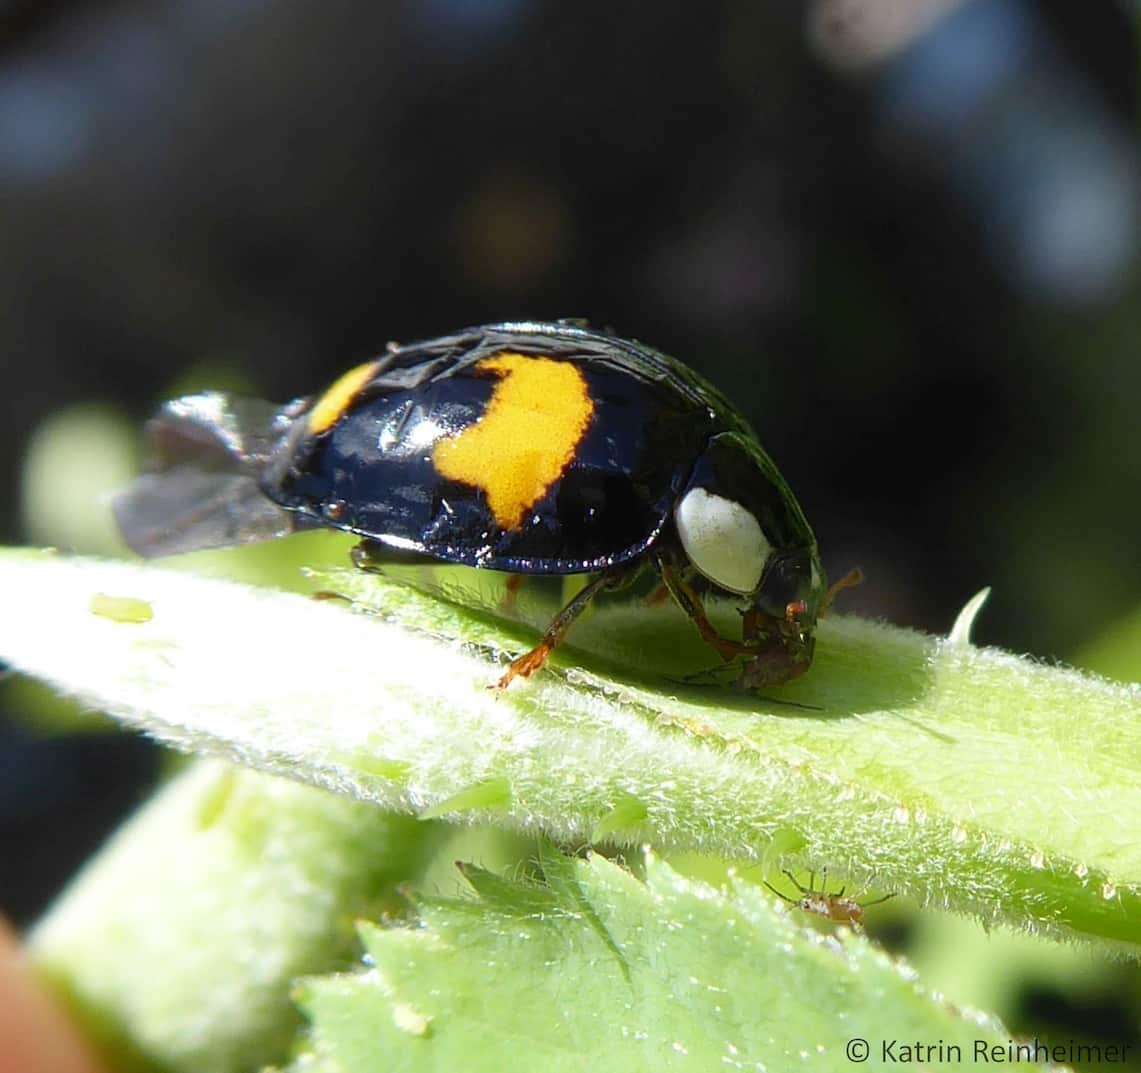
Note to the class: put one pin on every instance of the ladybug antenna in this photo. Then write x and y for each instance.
(853, 577)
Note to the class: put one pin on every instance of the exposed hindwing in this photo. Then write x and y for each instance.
(201, 488)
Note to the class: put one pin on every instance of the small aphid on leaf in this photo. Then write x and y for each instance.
(837, 907)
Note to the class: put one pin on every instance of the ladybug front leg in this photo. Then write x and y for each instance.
(530, 662)
(511, 592)
(691, 604)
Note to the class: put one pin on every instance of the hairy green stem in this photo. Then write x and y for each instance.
(967, 777)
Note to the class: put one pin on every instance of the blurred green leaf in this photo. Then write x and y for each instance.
(177, 945)
(595, 970)
(73, 462)
(1116, 652)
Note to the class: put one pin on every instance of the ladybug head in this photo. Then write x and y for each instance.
(741, 528)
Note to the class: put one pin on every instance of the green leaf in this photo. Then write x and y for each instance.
(606, 973)
(969, 778)
(177, 945)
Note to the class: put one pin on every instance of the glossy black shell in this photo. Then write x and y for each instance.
(652, 420)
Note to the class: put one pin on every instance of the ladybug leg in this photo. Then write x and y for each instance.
(371, 556)
(531, 661)
(750, 625)
(511, 591)
(659, 595)
(691, 604)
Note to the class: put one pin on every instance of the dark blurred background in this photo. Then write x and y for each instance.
(903, 236)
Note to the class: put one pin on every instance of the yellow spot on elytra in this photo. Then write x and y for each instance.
(527, 436)
(329, 407)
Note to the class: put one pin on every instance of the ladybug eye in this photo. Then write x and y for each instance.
(722, 539)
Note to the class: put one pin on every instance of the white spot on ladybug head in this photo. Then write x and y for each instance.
(722, 539)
